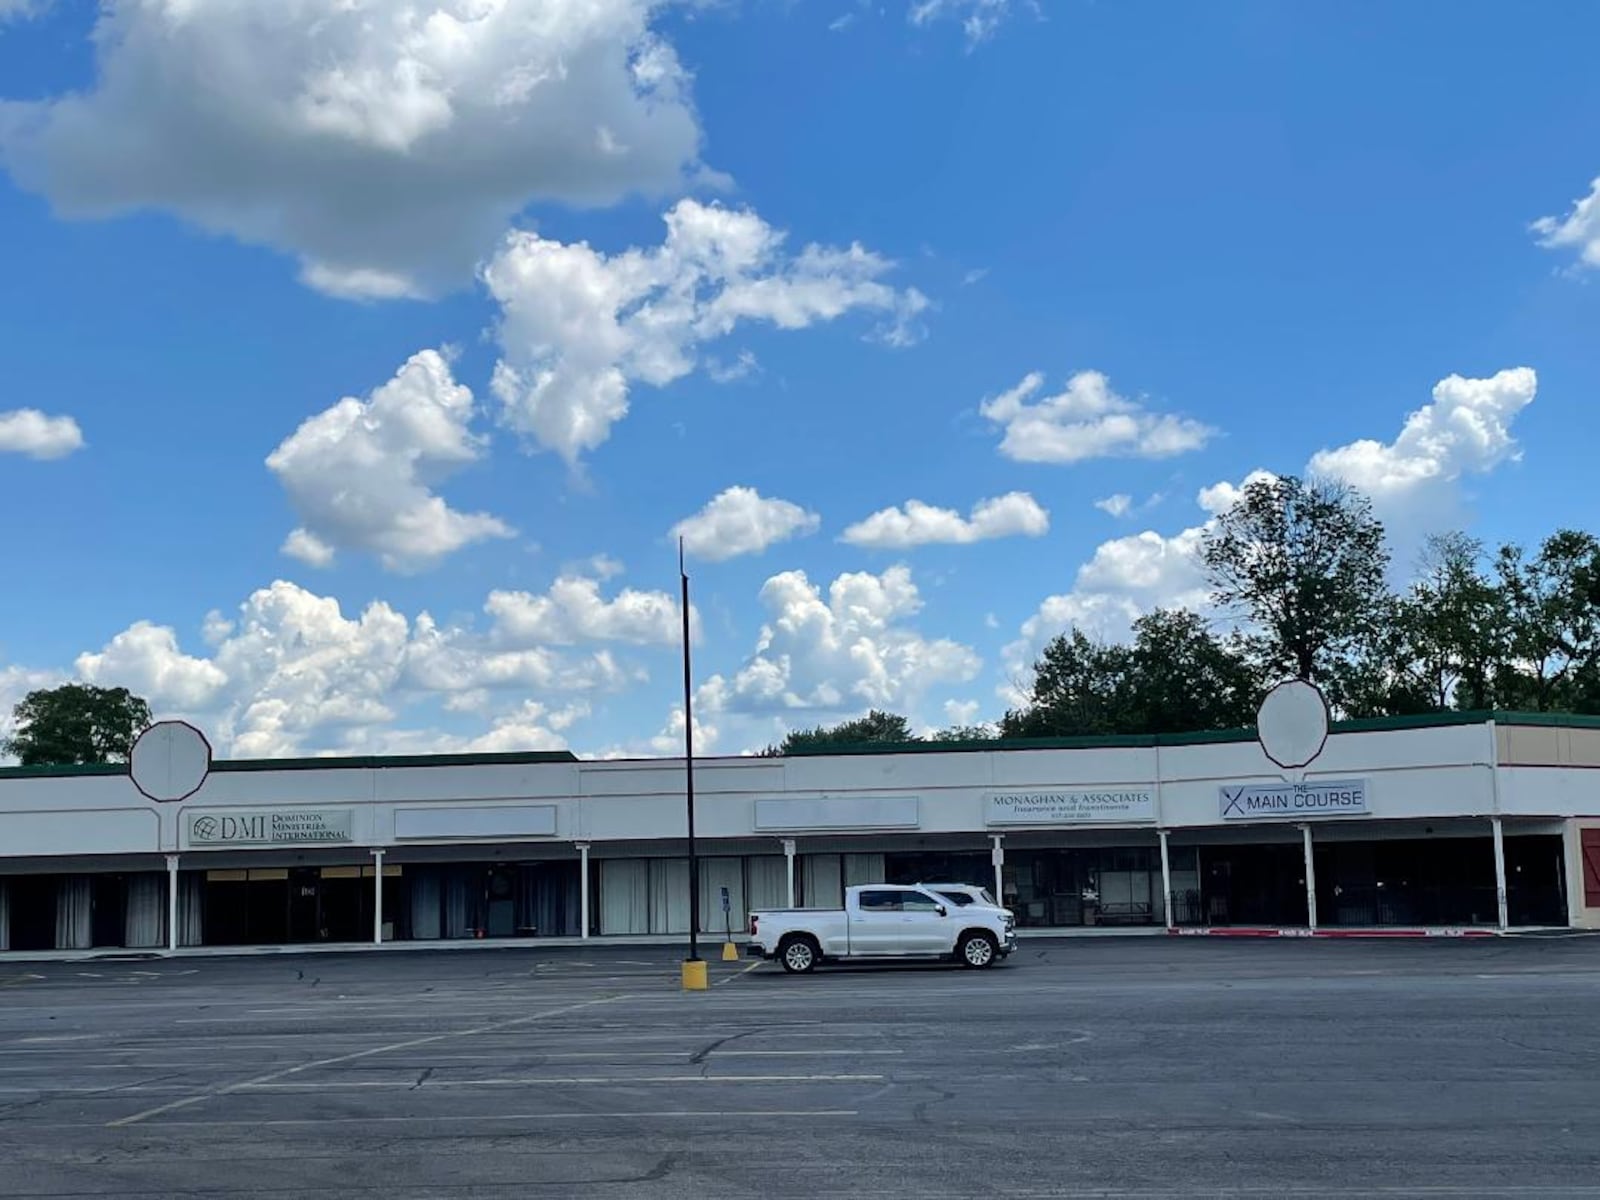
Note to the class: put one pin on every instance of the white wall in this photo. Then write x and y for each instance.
(1422, 773)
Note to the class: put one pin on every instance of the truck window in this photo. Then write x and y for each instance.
(959, 899)
(917, 902)
(880, 901)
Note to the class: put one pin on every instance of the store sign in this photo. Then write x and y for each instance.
(1070, 806)
(1271, 801)
(290, 827)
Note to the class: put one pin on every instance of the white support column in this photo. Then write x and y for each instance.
(1311, 879)
(998, 857)
(583, 889)
(1500, 871)
(1166, 878)
(377, 897)
(172, 902)
(788, 867)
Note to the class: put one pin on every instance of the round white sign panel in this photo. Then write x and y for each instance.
(1292, 723)
(170, 761)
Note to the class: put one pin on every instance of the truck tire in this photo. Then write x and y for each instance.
(799, 954)
(977, 949)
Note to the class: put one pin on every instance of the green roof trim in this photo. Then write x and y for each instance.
(382, 761)
(370, 761)
(49, 769)
(1114, 741)
(1206, 737)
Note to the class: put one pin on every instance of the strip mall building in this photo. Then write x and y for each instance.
(1476, 820)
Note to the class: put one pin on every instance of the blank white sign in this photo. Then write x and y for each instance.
(839, 812)
(476, 821)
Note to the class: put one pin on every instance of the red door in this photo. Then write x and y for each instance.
(1591, 868)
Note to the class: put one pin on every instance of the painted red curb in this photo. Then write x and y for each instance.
(1335, 933)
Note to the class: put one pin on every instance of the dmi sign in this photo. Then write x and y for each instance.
(284, 827)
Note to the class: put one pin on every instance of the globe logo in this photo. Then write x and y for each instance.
(204, 829)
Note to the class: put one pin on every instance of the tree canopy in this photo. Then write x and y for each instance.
(876, 727)
(1175, 675)
(76, 723)
(1304, 561)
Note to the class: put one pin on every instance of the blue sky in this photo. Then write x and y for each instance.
(1226, 238)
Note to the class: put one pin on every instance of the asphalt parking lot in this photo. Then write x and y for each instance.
(1107, 1068)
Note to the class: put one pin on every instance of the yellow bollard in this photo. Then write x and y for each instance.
(730, 952)
(694, 975)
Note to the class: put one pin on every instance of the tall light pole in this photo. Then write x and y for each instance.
(694, 967)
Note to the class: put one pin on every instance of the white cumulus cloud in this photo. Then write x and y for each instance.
(30, 432)
(359, 473)
(145, 659)
(1466, 430)
(1117, 505)
(1086, 420)
(1015, 514)
(1578, 231)
(573, 610)
(580, 327)
(1413, 481)
(739, 520)
(292, 673)
(384, 143)
(849, 651)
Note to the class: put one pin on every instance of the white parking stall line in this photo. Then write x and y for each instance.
(407, 1044)
(335, 1085)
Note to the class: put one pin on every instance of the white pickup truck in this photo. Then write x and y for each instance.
(882, 921)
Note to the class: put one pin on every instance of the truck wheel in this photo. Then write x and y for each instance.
(977, 949)
(798, 954)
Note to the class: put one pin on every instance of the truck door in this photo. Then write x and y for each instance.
(926, 929)
(876, 929)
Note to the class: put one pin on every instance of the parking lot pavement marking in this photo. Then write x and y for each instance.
(533, 1080)
(485, 1118)
(798, 1053)
(739, 974)
(407, 1044)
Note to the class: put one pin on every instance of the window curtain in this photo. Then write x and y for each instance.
(821, 881)
(144, 923)
(423, 883)
(74, 913)
(768, 881)
(191, 908)
(548, 898)
(669, 895)
(624, 895)
(457, 904)
(863, 868)
(5, 916)
(716, 874)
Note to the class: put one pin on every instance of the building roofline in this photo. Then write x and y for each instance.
(1093, 742)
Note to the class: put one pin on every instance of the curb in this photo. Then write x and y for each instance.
(1439, 932)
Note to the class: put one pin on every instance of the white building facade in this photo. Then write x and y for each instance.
(1481, 820)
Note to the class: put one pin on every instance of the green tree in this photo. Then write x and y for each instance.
(876, 728)
(1175, 676)
(76, 723)
(1553, 620)
(1442, 644)
(1304, 560)
(1185, 677)
(965, 733)
(1080, 688)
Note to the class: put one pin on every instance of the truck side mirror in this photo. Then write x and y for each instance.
(942, 911)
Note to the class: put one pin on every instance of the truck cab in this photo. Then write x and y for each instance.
(884, 921)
